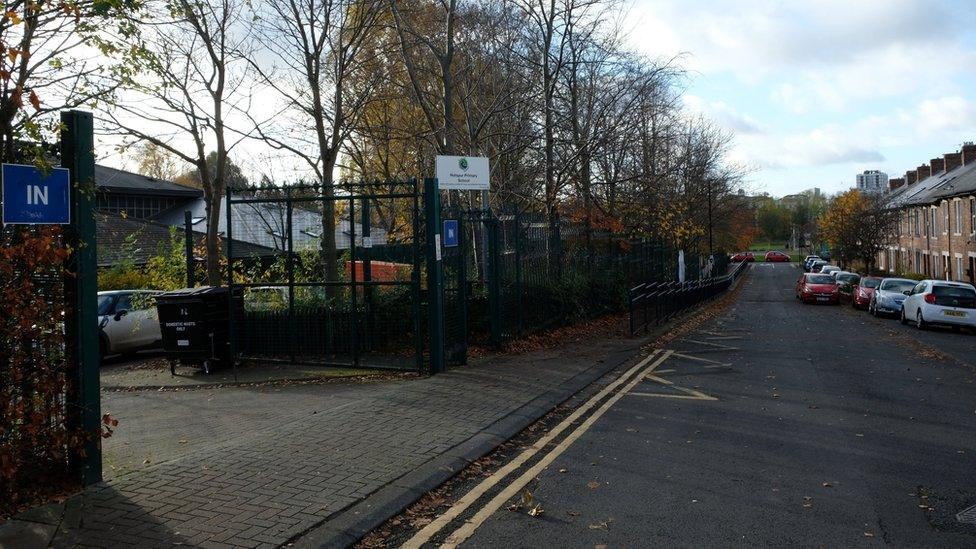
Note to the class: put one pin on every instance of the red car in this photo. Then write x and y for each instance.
(861, 296)
(777, 257)
(743, 256)
(817, 288)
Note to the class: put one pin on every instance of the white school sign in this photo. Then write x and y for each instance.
(468, 173)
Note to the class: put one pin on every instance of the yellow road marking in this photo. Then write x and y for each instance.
(424, 535)
(472, 524)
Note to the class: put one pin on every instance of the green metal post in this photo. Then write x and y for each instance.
(494, 281)
(188, 247)
(78, 155)
(367, 253)
(415, 279)
(462, 291)
(435, 275)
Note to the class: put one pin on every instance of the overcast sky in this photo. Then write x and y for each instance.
(820, 90)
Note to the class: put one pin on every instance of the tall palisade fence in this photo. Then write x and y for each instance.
(343, 277)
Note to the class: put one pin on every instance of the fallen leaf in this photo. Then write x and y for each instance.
(868, 535)
(573, 513)
(593, 485)
(536, 511)
(562, 470)
(827, 485)
(183, 441)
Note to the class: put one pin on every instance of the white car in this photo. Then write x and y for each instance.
(128, 321)
(940, 302)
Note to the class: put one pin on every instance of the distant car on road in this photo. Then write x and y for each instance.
(817, 265)
(889, 296)
(940, 302)
(808, 262)
(127, 321)
(829, 269)
(743, 256)
(864, 291)
(776, 257)
(817, 288)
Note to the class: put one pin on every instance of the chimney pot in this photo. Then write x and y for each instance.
(923, 171)
(911, 177)
(952, 161)
(938, 165)
(968, 153)
(896, 183)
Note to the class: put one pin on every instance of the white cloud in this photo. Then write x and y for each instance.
(725, 115)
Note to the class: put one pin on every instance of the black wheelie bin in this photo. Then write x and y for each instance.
(195, 325)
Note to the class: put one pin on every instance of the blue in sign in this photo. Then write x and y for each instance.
(31, 198)
(450, 233)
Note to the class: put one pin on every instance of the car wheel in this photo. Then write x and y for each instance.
(871, 310)
(903, 319)
(919, 321)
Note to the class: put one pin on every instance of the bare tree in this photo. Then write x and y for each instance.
(196, 80)
(318, 69)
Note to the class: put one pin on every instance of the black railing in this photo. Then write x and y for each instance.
(656, 302)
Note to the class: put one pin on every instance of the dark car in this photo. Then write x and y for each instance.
(817, 288)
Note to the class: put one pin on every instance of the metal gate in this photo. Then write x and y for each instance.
(356, 302)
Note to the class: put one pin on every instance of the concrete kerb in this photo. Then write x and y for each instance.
(347, 526)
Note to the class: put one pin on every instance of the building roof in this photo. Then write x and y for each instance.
(264, 225)
(113, 180)
(121, 238)
(939, 186)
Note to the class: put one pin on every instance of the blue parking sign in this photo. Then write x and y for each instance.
(32, 198)
(450, 233)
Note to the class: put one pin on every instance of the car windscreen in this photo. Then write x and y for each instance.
(897, 285)
(105, 304)
(820, 279)
(870, 282)
(955, 296)
(847, 278)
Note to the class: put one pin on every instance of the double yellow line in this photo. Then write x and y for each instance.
(621, 385)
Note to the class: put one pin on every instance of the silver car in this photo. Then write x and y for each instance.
(889, 296)
(127, 321)
(829, 269)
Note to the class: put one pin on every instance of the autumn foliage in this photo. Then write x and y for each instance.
(36, 441)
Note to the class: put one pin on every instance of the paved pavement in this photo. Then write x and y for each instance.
(259, 466)
(827, 428)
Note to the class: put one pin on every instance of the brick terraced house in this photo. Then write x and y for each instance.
(936, 232)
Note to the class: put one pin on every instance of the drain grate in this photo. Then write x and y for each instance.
(967, 516)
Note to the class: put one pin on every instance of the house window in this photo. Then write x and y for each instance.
(945, 218)
(972, 215)
(957, 204)
(959, 273)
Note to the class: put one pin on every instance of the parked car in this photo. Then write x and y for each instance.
(864, 291)
(817, 265)
(776, 257)
(940, 302)
(127, 321)
(889, 296)
(817, 288)
(829, 269)
(845, 283)
(743, 256)
(808, 262)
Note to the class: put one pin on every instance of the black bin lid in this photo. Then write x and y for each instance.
(202, 292)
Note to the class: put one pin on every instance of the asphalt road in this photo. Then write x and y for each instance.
(811, 425)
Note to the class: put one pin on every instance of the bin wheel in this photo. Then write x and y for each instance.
(172, 367)
(206, 367)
